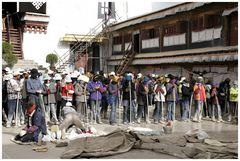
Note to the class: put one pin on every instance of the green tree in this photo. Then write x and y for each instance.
(6, 48)
(7, 54)
(52, 59)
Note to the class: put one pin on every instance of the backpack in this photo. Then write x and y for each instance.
(186, 90)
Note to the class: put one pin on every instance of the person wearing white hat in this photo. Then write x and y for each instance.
(50, 72)
(57, 77)
(8, 70)
(49, 99)
(139, 75)
(58, 95)
(74, 76)
(64, 72)
(67, 91)
(14, 97)
(24, 95)
(81, 94)
(112, 74)
(233, 101)
(5, 80)
(71, 117)
(63, 75)
(46, 92)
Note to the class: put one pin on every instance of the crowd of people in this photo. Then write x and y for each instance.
(44, 98)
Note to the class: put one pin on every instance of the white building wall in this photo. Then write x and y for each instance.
(174, 40)
(206, 35)
(66, 17)
(150, 43)
(71, 17)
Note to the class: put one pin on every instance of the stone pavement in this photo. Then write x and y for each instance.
(220, 131)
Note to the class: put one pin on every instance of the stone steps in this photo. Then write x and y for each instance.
(25, 64)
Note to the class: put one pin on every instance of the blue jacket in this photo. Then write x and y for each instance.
(33, 85)
(91, 87)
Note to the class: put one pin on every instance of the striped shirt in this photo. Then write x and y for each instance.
(13, 86)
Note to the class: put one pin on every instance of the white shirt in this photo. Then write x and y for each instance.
(160, 96)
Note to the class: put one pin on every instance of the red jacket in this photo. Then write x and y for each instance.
(67, 91)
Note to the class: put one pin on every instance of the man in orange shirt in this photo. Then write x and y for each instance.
(199, 98)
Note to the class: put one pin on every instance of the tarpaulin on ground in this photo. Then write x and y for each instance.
(115, 142)
(180, 146)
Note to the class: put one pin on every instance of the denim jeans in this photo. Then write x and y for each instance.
(95, 110)
(126, 111)
(171, 110)
(158, 111)
(198, 110)
(12, 104)
(185, 109)
(113, 104)
(216, 108)
(224, 105)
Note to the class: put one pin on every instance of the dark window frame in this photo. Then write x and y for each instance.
(170, 30)
(117, 40)
(127, 38)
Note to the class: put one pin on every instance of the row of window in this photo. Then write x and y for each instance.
(197, 24)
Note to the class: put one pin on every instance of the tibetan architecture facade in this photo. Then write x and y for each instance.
(24, 24)
(86, 51)
(189, 38)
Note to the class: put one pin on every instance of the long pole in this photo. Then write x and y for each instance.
(16, 113)
(42, 104)
(147, 108)
(219, 109)
(119, 104)
(162, 114)
(174, 103)
(49, 107)
(60, 110)
(85, 100)
(190, 108)
(130, 97)
(96, 109)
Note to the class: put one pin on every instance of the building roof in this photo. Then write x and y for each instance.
(229, 11)
(216, 54)
(81, 38)
(189, 59)
(158, 14)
